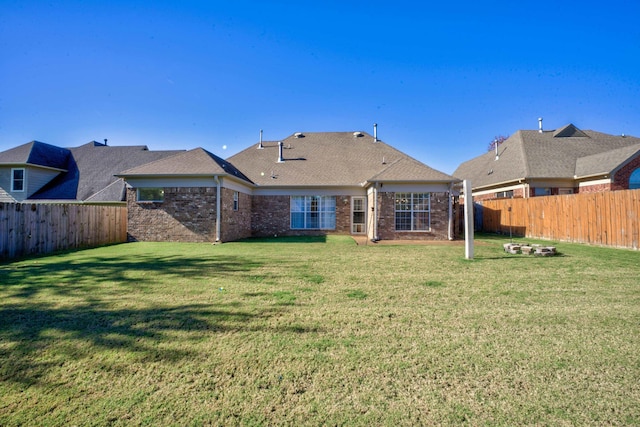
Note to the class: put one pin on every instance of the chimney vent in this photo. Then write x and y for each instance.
(105, 142)
(260, 147)
(495, 142)
(375, 132)
(540, 124)
(280, 158)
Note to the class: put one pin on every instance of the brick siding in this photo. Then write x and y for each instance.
(271, 216)
(439, 219)
(235, 225)
(186, 215)
(621, 178)
(189, 215)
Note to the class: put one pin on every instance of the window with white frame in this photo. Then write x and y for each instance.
(504, 194)
(17, 179)
(313, 212)
(235, 200)
(413, 211)
(150, 194)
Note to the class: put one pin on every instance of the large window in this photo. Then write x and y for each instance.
(413, 212)
(634, 180)
(150, 194)
(313, 212)
(17, 179)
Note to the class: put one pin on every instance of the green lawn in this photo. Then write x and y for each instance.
(320, 332)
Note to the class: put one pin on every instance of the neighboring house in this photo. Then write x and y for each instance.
(564, 161)
(42, 172)
(307, 184)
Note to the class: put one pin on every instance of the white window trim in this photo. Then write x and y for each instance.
(320, 213)
(236, 200)
(412, 211)
(24, 180)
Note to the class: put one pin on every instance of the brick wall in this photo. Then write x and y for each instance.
(439, 219)
(234, 225)
(621, 178)
(271, 216)
(597, 188)
(186, 215)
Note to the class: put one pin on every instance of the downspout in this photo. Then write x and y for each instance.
(450, 228)
(218, 215)
(375, 213)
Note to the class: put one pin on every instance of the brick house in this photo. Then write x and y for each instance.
(568, 160)
(317, 183)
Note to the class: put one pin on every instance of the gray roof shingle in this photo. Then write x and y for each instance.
(196, 162)
(37, 154)
(331, 159)
(563, 153)
(91, 170)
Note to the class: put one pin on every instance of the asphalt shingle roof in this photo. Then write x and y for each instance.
(196, 162)
(331, 159)
(91, 171)
(564, 153)
(38, 154)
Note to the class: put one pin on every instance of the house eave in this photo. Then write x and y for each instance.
(33, 165)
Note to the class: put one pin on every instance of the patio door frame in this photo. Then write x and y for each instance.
(359, 227)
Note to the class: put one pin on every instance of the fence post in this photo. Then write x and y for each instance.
(468, 219)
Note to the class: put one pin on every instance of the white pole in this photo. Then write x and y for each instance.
(468, 219)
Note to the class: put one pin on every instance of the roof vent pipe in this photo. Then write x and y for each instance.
(280, 158)
(540, 124)
(260, 147)
(105, 142)
(495, 142)
(375, 132)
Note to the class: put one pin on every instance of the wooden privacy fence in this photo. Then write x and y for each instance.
(608, 218)
(39, 228)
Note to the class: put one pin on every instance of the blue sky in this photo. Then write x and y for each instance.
(439, 79)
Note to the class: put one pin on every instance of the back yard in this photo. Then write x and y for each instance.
(320, 332)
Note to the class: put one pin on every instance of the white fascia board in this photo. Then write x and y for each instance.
(305, 191)
(171, 181)
(499, 189)
(236, 185)
(395, 187)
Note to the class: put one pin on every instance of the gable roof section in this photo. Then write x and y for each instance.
(409, 170)
(563, 153)
(196, 162)
(330, 159)
(605, 163)
(37, 153)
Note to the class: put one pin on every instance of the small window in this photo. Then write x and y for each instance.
(564, 191)
(150, 194)
(505, 194)
(235, 200)
(17, 179)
